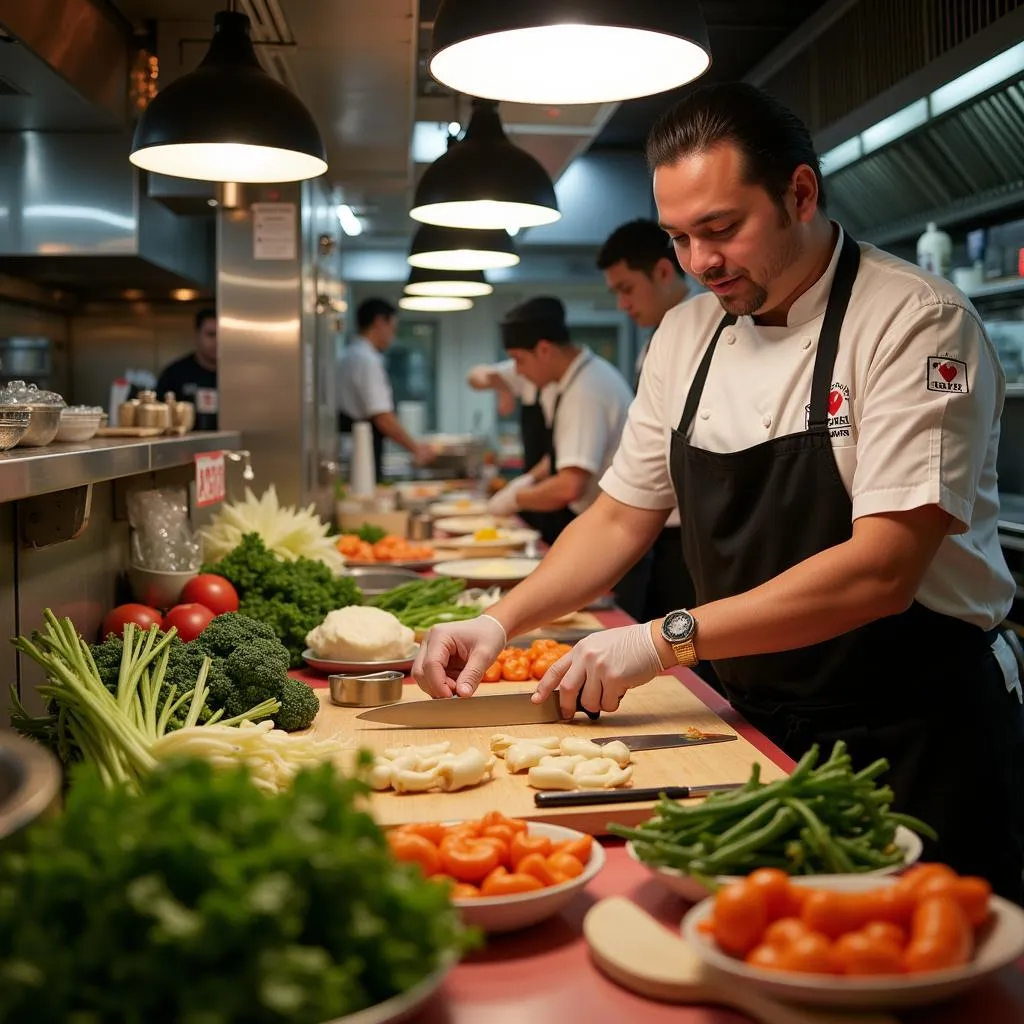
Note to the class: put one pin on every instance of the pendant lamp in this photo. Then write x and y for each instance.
(437, 248)
(485, 181)
(435, 303)
(229, 120)
(568, 51)
(467, 284)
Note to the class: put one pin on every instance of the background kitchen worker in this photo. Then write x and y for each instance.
(831, 441)
(194, 377)
(363, 389)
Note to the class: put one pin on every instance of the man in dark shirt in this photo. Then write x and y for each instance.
(194, 378)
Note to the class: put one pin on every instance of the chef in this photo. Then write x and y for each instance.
(363, 388)
(193, 378)
(828, 420)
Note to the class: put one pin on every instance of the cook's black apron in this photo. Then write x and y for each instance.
(536, 435)
(919, 688)
(345, 427)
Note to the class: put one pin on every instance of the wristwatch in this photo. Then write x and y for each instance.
(679, 631)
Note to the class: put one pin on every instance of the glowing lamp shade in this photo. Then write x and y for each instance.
(468, 284)
(435, 303)
(485, 181)
(229, 120)
(437, 248)
(568, 51)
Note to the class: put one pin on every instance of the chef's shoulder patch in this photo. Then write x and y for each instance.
(946, 374)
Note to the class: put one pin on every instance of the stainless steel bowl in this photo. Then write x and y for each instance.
(373, 581)
(366, 691)
(43, 428)
(30, 781)
(13, 424)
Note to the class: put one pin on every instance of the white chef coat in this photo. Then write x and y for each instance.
(673, 521)
(917, 392)
(594, 400)
(363, 389)
(524, 390)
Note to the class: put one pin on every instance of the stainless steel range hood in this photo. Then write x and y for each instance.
(74, 213)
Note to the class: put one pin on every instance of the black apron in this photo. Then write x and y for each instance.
(919, 688)
(345, 427)
(536, 436)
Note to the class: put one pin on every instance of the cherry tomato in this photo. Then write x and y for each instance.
(775, 885)
(765, 956)
(542, 663)
(914, 878)
(215, 592)
(886, 931)
(565, 864)
(414, 849)
(971, 893)
(493, 673)
(809, 954)
(515, 670)
(940, 936)
(861, 953)
(189, 620)
(117, 618)
(741, 917)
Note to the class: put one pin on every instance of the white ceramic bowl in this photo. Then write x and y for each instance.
(495, 914)
(1000, 942)
(403, 1006)
(691, 889)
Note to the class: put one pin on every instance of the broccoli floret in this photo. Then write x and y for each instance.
(299, 706)
(230, 631)
(258, 672)
(107, 656)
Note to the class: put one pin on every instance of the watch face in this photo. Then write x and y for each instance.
(678, 627)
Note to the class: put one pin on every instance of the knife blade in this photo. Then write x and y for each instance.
(586, 797)
(665, 740)
(469, 712)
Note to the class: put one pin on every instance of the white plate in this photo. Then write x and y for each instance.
(459, 526)
(690, 889)
(489, 572)
(403, 1006)
(505, 539)
(329, 667)
(495, 914)
(414, 563)
(469, 507)
(1000, 942)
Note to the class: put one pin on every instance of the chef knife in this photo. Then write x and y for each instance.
(467, 712)
(586, 797)
(664, 740)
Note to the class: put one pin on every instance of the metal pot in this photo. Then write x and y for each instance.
(30, 780)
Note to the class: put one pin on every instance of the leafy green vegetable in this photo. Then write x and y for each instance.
(202, 901)
(370, 533)
(290, 597)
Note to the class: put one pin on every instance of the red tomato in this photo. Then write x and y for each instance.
(215, 592)
(142, 615)
(189, 620)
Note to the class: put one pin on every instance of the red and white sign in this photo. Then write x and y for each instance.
(210, 484)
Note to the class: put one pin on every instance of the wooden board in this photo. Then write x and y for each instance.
(578, 620)
(663, 705)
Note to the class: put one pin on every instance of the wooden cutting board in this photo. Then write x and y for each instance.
(663, 705)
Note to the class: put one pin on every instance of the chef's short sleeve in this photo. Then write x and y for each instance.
(639, 474)
(514, 381)
(375, 388)
(931, 401)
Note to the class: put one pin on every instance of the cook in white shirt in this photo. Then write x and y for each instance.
(831, 442)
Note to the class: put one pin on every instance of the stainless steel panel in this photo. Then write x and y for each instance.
(8, 607)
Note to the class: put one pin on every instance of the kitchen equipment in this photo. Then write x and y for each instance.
(1000, 943)
(473, 712)
(693, 890)
(639, 954)
(151, 412)
(665, 740)
(79, 422)
(662, 705)
(421, 526)
(497, 914)
(126, 412)
(489, 572)
(13, 424)
(587, 797)
(369, 690)
(374, 581)
(456, 456)
(45, 407)
(30, 780)
(330, 667)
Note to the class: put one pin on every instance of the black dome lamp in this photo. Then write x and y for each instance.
(448, 283)
(485, 181)
(438, 248)
(568, 51)
(229, 120)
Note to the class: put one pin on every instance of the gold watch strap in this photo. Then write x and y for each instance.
(686, 653)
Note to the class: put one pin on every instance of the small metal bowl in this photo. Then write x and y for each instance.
(13, 425)
(369, 690)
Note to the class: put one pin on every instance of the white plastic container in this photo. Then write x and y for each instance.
(935, 251)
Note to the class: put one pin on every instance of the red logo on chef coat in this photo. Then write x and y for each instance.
(947, 374)
(838, 412)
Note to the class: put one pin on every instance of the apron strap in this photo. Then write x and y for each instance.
(697, 385)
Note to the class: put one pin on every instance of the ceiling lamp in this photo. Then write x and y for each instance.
(435, 248)
(485, 181)
(468, 284)
(568, 51)
(229, 120)
(435, 303)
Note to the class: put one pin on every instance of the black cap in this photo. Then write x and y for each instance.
(533, 321)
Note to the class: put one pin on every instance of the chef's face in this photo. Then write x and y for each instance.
(731, 235)
(645, 297)
(536, 364)
(206, 340)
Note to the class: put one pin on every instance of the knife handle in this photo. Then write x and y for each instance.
(586, 797)
(592, 715)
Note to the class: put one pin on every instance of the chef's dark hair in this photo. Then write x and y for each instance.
(536, 320)
(773, 140)
(370, 309)
(641, 243)
(203, 315)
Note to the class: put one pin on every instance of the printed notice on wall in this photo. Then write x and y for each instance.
(274, 231)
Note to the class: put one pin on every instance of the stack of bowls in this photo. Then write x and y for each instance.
(44, 407)
(13, 424)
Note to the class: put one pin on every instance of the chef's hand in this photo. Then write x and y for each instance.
(423, 455)
(504, 502)
(453, 657)
(602, 666)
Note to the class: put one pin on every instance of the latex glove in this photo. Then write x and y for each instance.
(504, 502)
(603, 666)
(454, 656)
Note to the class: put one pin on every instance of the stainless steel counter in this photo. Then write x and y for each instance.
(27, 472)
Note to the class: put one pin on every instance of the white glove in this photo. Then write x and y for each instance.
(603, 666)
(454, 656)
(479, 378)
(504, 502)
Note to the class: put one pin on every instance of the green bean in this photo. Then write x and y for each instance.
(781, 822)
(752, 821)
